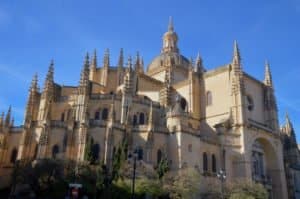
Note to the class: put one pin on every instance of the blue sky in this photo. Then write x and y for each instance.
(34, 32)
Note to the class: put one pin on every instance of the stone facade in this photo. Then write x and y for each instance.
(211, 120)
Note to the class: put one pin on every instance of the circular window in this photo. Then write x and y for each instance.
(250, 104)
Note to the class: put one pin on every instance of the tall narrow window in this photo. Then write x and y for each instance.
(140, 153)
(97, 115)
(55, 151)
(208, 98)
(104, 114)
(205, 163)
(62, 118)
(134, 120)
(142, 118)
(214, 163)
(13, 156)
(159, 156)
(95, 152)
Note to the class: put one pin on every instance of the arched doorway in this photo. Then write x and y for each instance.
(265, 167)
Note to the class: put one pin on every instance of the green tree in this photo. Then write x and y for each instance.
(162, 168)
(88, 152)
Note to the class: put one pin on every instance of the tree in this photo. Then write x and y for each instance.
(247, 190)
(163, 168)
(184, 183)
(88, 152)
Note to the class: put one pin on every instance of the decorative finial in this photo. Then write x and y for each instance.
(171, 25)
(199, 64)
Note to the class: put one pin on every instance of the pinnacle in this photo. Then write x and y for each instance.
(268, 76)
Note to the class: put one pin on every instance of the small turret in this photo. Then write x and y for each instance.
(268, 75)
(93, 67)
(128, 79)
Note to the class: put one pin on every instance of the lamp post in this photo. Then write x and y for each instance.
(134, 156)
(222, 177)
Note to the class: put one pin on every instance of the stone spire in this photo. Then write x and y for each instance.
(31, 98)
(268, 76)
(199, 64)
(236, 61)
(49, 82)
(121, 59)
(170, 39)
(8, 117)
(84, 76)
(106, 62)
(138, 65)
(288, 123)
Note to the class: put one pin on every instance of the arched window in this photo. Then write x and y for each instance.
(97, 115)
(159, 156)
(13, 156)
(208, 98)
(183, 103)
(95, 152)
(205, 163)
(104, 114)
(55, 151)
(62, 118)
(134, 120)
(142, 118)
(213, 163)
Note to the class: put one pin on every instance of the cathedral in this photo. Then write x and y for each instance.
(211, 120)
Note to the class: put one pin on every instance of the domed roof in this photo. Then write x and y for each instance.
(169, 58)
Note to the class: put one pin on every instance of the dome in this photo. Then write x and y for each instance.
(169, 58)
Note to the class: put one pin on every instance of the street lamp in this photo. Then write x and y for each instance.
(222, 177)
(134, 156)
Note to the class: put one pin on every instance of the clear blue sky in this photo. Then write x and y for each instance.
(34, 32)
